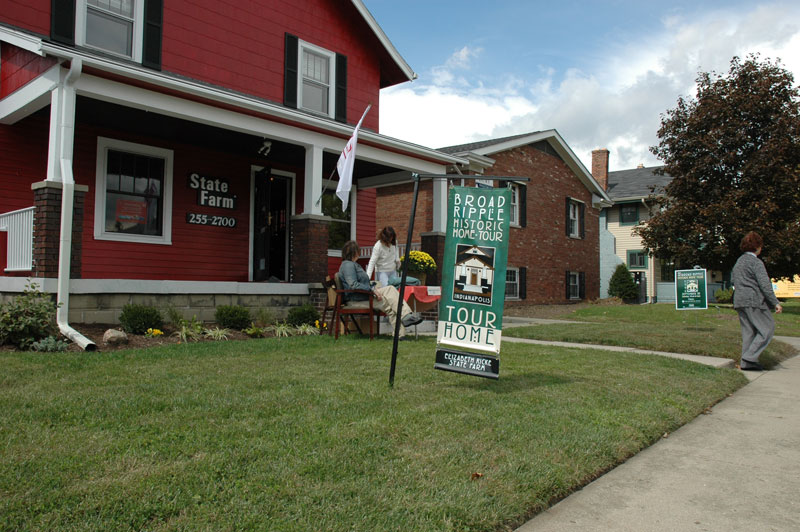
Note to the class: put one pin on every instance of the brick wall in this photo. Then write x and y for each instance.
(47, 229)
(542, 246)
(309, 249)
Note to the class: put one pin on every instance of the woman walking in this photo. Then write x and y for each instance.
(753, 298)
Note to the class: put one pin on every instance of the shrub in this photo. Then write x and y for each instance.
(232, 317)
(50, 345)
(215, 333)
(189, 330)
(265, 317)
(282, 330)
(173, 316)
(254, 331)
(724, 296)
(622, 285)
(306, 329)
(300, 315)
(27, 318)
(136, 319)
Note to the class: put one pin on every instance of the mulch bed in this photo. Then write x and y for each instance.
(95, 332)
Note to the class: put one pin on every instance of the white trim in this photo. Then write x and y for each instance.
(331, 56)
(577, 284)
(109, 90)
(21, 40)
(384, 40)
(515, 207)
(100, 233)
(576, 204)
(137, 32)
(29, 98)
(142, 286)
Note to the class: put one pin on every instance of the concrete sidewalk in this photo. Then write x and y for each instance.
(737, 468)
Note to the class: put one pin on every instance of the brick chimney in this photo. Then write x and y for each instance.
(600, 167)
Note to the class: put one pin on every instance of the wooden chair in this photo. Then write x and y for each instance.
(329, 285)
(342, 311)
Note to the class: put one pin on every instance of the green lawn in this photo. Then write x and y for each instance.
(305, 434)
(712, 332)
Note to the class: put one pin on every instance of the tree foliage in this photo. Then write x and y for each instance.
(734, 154)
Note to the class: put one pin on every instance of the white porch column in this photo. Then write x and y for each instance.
(54, 139)
(439, 206)
(312, 186)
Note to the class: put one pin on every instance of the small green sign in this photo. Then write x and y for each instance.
(474, 269)
(690, 290)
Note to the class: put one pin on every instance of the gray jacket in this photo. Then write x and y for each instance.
(752, 287)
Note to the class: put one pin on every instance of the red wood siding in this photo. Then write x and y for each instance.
(18, 67)
(198, 252)
(32, 15)
(240, 45)
(23, 160)
(365, 217)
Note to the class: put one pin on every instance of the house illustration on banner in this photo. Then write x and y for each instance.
(474, 270)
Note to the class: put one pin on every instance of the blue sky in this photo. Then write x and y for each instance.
(601, 73)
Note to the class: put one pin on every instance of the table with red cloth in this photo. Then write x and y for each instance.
(418, 298)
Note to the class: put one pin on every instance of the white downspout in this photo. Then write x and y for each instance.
(67, 140)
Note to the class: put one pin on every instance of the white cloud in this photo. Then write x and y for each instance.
(618, 106)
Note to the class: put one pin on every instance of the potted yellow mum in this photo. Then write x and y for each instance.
(420, 264)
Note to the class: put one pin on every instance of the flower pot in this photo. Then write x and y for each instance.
(419, 275)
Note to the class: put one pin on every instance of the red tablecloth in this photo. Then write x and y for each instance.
(418, 295)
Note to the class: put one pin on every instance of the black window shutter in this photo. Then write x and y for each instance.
(62, 21)
(290, 72)
(582, 218)
(340, 112)
(566, 217)
(582, 285)
(522, 282)
(153, 23)
(566, 282)
(523, 209)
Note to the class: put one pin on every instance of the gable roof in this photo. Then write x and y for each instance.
(407, 73)
(550, 136)
(636, 184)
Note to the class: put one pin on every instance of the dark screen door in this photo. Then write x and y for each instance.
(270, 227)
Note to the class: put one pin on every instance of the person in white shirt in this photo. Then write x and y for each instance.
(385, 261)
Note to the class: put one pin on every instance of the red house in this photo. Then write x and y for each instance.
(553, 250)
(179, 153)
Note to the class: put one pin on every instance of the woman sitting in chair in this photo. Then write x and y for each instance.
(354, 277)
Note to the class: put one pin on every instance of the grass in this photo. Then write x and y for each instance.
(304, 434)
(712, 332)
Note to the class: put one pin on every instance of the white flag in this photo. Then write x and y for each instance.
(345, 165)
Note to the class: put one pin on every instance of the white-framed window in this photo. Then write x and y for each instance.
(342, 227)
(512, 283)
(133, 192)
(316, 79)
(514, 208)
(574, 219)
(574, 285)
(114, 26)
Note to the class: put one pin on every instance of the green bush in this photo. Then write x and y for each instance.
(27, 318)
(136, 319)
(724, 296)
(232, 317)
(622, 285)
(299, 315)
(50, 345)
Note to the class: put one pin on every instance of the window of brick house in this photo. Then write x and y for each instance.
(575, 218)
(133, 200)
(575, 283)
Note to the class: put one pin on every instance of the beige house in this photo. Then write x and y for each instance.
(630, 191)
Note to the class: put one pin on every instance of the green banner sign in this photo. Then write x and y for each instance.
(690, 290)
(474, 268)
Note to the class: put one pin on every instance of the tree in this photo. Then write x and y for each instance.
(621, 284)
(734, 154)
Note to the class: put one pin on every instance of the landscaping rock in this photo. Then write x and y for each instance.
(115, 337)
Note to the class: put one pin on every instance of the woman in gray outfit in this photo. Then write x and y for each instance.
(753, 298)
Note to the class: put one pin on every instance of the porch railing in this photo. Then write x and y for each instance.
(19, 226)
(366, 252)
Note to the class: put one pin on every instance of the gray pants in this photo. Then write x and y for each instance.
(758, 326)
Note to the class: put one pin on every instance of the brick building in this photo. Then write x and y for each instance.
(553, 252)
(188, 147)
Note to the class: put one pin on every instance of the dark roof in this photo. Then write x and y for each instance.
(482, 143)
(636, 183)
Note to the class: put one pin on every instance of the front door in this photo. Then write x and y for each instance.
(271, 227)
